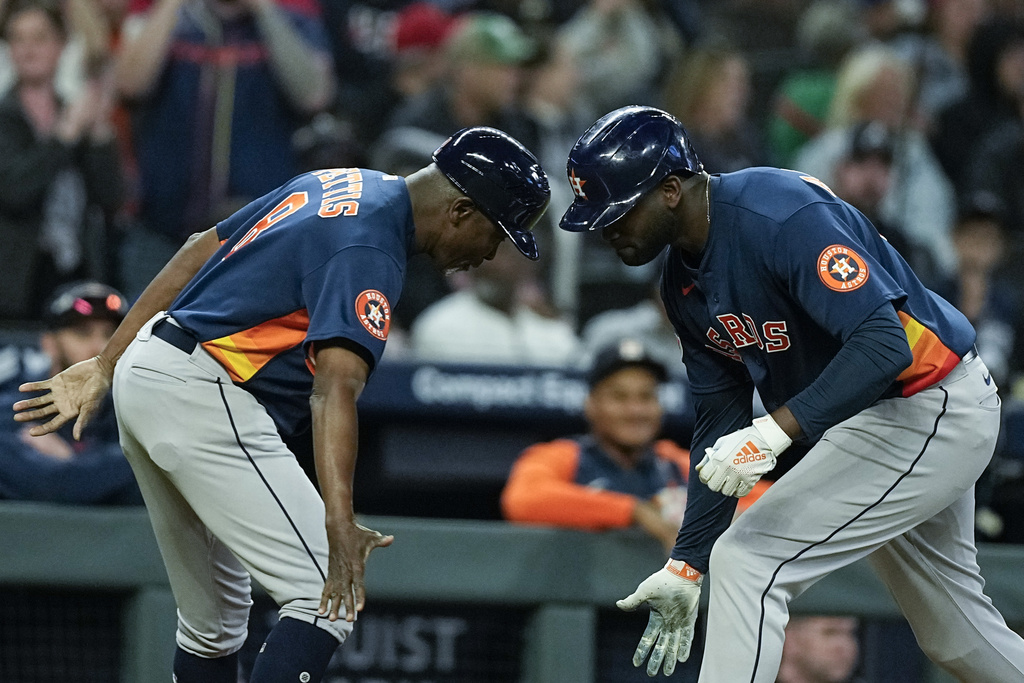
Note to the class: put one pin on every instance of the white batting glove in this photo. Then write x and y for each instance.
(672, 594)
(737, 460)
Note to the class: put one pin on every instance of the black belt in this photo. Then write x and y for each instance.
(174, 335)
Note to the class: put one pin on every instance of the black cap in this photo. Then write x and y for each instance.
(872, 139)
(78, 301)
(624, 353)
(503, 178)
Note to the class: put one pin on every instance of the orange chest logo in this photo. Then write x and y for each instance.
(374, 313)
(841, 269)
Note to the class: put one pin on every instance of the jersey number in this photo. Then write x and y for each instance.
(291, 204)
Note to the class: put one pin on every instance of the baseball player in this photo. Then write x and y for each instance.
(773, 282)
(274, 320)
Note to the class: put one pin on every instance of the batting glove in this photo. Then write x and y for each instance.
(672, 594)
(737, 460)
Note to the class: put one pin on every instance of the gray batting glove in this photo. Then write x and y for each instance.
(672, 594)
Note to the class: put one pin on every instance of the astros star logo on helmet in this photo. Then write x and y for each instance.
(577, 184)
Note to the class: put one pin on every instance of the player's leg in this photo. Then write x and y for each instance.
(270, 516)
(932, 569)
(210, 587)
(934, 576)
(249, 490)
(869, 480)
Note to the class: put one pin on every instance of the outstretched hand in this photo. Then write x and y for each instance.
(673, 594)
(74, 393)
(349, 547)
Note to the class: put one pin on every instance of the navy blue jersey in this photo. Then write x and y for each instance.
(788, 273)
(321, 257)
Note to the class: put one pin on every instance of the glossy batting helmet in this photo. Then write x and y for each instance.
(503, 178)
(621, 158)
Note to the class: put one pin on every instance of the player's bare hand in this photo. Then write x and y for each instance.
(74, 393)
(350, 545)
(673, 596)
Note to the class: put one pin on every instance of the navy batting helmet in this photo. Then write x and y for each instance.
(503, 178)
(619, 159)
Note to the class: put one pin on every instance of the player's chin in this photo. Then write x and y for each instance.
(634, 256)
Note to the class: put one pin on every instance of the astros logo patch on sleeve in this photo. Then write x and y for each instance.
(842, 269)
(374, 313)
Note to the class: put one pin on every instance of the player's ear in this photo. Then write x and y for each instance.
(460, 210)
(671, 189)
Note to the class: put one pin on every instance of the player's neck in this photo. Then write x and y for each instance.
(693, 212)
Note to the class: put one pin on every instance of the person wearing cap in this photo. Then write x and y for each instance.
(484, 54)
(618, 474)
(882, 415)
(79, 318)
(260, 328)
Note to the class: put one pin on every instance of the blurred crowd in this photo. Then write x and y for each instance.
(127, 125)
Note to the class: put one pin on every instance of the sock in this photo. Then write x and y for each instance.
(189, 668)
(294, 652)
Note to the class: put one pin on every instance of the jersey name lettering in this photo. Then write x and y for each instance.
(771, 337)
(342, 189)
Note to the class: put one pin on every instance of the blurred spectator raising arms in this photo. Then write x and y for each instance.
(56, 160)
(874, 84)
(618, 474)
(55, 468)
(218, 87)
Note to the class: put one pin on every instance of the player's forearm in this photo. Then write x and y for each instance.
(335, 446)
(143, 58)
(304, 74)
(162, 291)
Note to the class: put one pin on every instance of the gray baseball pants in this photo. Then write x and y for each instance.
(895, 484)
(227, 499)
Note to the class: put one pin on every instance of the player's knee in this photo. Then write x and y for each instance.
(209, 641)
(727, 557)
(308, 611)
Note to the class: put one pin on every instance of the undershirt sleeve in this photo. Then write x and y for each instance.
(866, 365)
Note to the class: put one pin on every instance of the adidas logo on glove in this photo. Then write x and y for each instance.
(749, 453)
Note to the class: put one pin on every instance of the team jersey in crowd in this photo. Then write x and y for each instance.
(788, 273)
(574, 483)
(322, 257)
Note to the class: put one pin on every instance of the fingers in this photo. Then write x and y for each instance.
(36, 414)
(33, 402)
(630, 602)
(650, 635)
(658, 654)
(48, 427)
(44, 385)
(685, 640)
(84, 418)
(706, 459)
(672, 652)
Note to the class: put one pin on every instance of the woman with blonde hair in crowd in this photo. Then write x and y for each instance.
(875, 84)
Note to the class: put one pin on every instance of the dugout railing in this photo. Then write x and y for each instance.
(561, 580)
